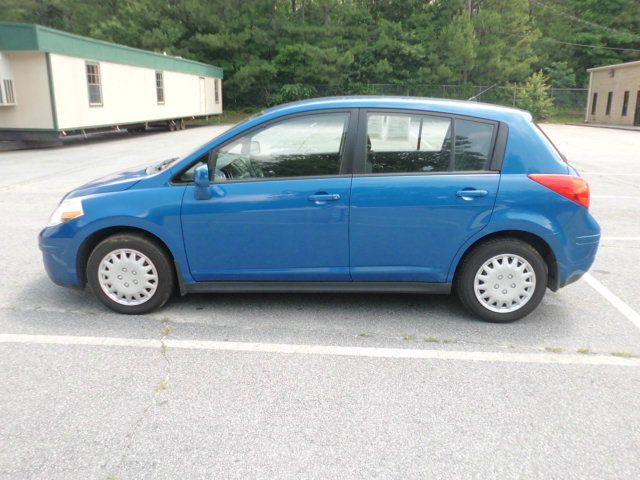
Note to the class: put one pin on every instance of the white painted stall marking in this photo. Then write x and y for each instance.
(620, 239)
(280, 348)
(608, 174)
(616, 197)
(613, 299)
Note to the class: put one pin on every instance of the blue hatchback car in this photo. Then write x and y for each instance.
(350, 194)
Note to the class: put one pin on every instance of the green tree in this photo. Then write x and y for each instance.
(456, 49)
(561, 75)
(534, 96)
(506, 37)
(346, 46)
(587, 33)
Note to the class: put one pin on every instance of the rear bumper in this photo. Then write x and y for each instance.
(578, 258)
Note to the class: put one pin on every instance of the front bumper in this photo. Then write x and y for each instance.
(60, 259)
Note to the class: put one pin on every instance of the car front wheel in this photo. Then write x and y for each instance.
(130, 274)
(502, 280)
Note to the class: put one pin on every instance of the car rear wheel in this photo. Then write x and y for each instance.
(130, 274)
(502, 280)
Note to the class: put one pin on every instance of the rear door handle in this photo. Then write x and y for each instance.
(471, 193)
(322, 197)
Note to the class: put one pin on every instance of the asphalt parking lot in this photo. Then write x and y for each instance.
(316, 386)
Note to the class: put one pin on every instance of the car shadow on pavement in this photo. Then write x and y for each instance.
(411, 320)
(42, 294)
(398, 319)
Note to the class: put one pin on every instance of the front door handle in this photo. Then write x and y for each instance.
(469, 194)
(322, 197)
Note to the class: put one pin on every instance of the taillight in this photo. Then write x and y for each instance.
(574, 188)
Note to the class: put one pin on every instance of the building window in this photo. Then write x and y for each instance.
(216, 89)
(609, 98)
(94, 83)
(7, 97)
(625, 103)
(160, 87)
(594, 102)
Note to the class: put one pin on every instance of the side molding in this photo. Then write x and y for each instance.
(378, 287)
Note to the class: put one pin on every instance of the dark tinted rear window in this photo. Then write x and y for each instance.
(473, 145)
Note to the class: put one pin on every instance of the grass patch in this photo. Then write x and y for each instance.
(625, 354)
(431, 340)
(364, 334)
(563, 115)
(584, 351)
(162, 386)
(167, 330)
(553, 349)
(409, 337)
(225, 118)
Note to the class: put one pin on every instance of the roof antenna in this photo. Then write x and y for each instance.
(475, 97)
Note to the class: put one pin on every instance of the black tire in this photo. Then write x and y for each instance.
(477, 257)
(154, 253)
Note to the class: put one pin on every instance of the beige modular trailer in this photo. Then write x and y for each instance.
(54, 83)
(614, 95)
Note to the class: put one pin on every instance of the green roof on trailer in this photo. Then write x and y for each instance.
(30, 37)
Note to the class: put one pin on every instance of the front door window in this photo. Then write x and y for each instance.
(306, 146)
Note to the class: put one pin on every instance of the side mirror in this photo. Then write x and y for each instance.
(202, 183)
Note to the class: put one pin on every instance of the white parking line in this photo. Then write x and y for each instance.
(613, 299)
(608, 174)
(621, 239)
(280, 348)
(618, 197)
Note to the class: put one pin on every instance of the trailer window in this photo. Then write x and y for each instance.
(7, 97)
(94, 83)
(216, 89)
(160, 87)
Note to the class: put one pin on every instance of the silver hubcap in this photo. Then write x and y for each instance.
(504, 283)
(128, 277)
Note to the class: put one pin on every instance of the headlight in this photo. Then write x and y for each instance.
(67, 210)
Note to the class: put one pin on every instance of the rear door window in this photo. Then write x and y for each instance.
(399, 143)
(413, 143)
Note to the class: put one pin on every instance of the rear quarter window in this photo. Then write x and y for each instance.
(473, 145)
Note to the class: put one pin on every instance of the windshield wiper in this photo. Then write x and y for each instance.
(158, 167)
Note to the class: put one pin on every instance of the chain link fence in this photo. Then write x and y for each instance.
(563, 98)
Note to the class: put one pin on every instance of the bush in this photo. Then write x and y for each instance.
(534, 96)
(292, 93)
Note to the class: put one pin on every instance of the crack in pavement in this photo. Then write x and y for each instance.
(155, 401)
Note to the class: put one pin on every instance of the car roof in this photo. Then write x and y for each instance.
(459, 107)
